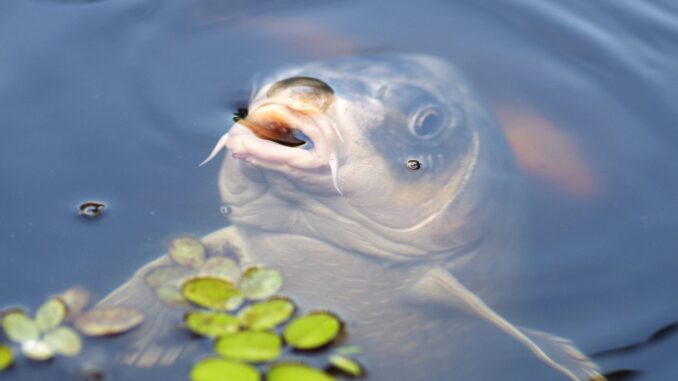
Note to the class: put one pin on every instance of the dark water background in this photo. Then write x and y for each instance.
(120, 100)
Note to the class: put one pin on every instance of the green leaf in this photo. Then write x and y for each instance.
(259, 283)
(213, 369)
(187, 251)
(346, 365)
(37, 350)
(267, 315)
(19, 327)
(221, 267)
(311, 331)
(295, 372)
(211, 292)
(211, 324)
(6, 357)
(49, 315)
(64, 341)
(108, 321)
(250, 346)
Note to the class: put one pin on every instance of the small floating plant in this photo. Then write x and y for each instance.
(257, 333)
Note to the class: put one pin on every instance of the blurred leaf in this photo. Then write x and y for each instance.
(171, 296)
(6, 357)
(19, 327)
(37, 350)
(312, 330)
(260, 282)
(213, 369)
(168, 275)
(346, 365)
(221, 267)
(108, 321)
(267, 315)
(75, 299)
(50, 314)
(64, 341)
(211, 324)
(250, 346)
(295, 372)
(187, 251)
(213, 293)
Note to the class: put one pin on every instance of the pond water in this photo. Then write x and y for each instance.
(119, 101)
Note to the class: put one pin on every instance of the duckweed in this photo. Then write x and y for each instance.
(312, 331)
(250, 346)
(295, 372)
(259, 283)
(211, 292)
(108, 321)
(187, 251)
(268, 314)
(210, 323)
(215, 369)
(345, 365)
(6, 357)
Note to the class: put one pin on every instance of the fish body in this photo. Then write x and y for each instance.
(382, 189)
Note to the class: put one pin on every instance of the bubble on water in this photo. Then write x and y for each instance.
(92, 209)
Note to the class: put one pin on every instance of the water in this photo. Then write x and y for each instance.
(118, 101)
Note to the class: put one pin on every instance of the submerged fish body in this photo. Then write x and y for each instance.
(319, 183)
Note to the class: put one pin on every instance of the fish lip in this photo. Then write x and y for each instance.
(245, 145)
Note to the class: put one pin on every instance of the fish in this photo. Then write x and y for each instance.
(383, 189)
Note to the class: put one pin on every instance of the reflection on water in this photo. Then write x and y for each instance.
(119, 101)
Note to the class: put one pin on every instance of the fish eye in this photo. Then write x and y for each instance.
(427, 122)
(307, 90)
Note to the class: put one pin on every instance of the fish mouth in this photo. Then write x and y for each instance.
(283, 134)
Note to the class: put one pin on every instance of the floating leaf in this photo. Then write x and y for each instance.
(295, 372)
(187, 251)
(260, 282)
(37, 350)
(64, 341)
(312, 330)
(211, 324)
(250, 346)
(213, 369)
(50, 314)
(267, 315)
(346, 365)
(211, 292)
(168, 275)
(108, 321)
(19, 327)
(75, 299)
(6, 357)
(171, 296)
(221, 267)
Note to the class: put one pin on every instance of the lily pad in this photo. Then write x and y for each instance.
(250, 346)
(259, 283)
(214, 369)
(37, 350)
(75, 299)
(167, 275)
(221, 267)
(19, 327)
(49, 315)
(312, 331)
(187, 251)
(212, 292)
(295, 372)
(6, 357)
(346, 365)
(267, 315)
(211, 324)
(108, 321)
(64, 341)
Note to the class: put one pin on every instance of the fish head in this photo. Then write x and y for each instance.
(389, 156)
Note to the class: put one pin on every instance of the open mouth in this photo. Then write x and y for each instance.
(288, 129)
